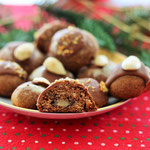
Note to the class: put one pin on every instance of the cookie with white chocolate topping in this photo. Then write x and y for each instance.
(128, 79)
(24, 53)
(51, 69)
(26, 94)
(11, 75)
(100, 69)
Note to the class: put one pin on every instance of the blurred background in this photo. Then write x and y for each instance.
(118, 25)
(112, 2)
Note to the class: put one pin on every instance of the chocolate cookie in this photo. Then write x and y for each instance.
(66, 95)
(100, 97)
(44, 35)
(26, 94)
(52, 69)
(25, 54)
(74, 47)
(11, 75)
(99, 70)
(128, 79)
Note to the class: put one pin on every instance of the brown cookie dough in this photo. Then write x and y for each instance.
(11, 75)
(25, 54)
(52, 69)
(26, 94)
(44, 35)
(74, 47)
(66, 95)
(96, 72)
(128, 79)
(100, 97)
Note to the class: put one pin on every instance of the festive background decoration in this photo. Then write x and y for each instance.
(125, 30)
(113, 36)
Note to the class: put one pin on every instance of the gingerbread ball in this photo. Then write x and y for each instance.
(52, 69)
(100, 69)
(11, 75)
(96, 90)
(74, 47)
(44, 35)
(66, 95)
(128, 79)
(26, 94)
(24, 53)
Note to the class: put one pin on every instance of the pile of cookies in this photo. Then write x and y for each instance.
(63, 72)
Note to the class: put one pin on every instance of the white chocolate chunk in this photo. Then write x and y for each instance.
(24, 51)
(101, 60)
(41, 80)
(131, 63)
(54, 65)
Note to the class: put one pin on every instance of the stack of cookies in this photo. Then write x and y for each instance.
(61, 71)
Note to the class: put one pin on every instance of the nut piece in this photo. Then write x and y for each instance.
(103, 87)
(24, 51)
(62, 103)
(54, 65)
(101, 60)
(131, 63)
(40, 80)
(71, 27)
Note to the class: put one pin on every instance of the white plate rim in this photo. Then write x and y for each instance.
(37, 114)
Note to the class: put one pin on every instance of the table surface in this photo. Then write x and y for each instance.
(124, 128)
(127, 127)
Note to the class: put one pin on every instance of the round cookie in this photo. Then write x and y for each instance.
(26, 94)
(24, 53)
(74, 47)
(66, 95)
(128, 79)
(52, 69)
(100, 69)
(11, 75)
(44, 35)
(100, 97)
